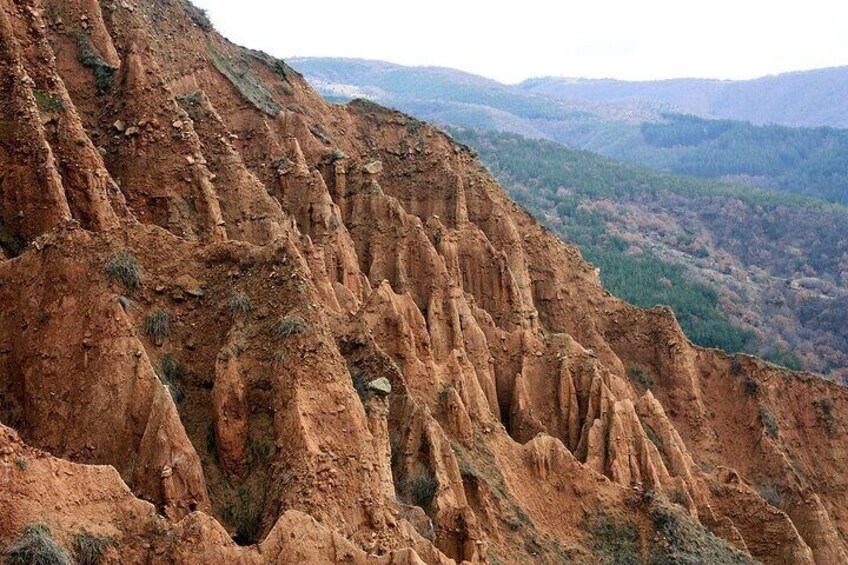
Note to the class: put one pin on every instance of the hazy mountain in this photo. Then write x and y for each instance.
(807, 98)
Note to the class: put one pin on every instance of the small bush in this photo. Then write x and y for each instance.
(825, 410)
(250, 86)
(769, 422)
(291, 326)
(772, 496)
(123, 267)
(334, 155)
(21, 464)
(467, 469)
(47, 103)
(90, 58)
(172, 373)
(640, 378)
(89, 548)
(197, 15)
(752, 387)
(652, 435)
(157, 325)
(244, 513)
(240, 304)
(423, 490)
(36, 546)
(681, 539)
(615, 543)
(735, 366)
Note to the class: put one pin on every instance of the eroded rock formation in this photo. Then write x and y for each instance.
(206, 268)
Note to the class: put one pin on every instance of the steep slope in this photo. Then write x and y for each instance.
(805, 98)
(249, 326)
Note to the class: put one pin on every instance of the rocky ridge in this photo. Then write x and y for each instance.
(245, 325)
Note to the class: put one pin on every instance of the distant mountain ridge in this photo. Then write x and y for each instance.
(800, 99)
(638, 123)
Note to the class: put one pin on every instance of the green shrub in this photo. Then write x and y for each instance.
(46, 103)
(240, 304)
(769, 422)
(640, 378)
(123, 267)
(291, 326)
(172, 373)
(157, 325)
(197, 15)
(90, 58)
(772, 496)
(683, 540)
(752, 387)
(21, 464)
(825, 410)
(89, 548)
(334, 155)
(423, 490)
(735, 366)
(250, 86)
(615, 543)
(244, 513)
(36, 546)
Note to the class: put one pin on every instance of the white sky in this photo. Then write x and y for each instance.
(626, 39)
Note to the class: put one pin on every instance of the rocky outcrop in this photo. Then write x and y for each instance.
(313, 333)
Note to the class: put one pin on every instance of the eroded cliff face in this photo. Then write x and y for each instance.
(244, 325)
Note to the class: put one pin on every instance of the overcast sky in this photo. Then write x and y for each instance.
(646, 39)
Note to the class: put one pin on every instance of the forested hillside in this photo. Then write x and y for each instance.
(812, 162)
(727, 258)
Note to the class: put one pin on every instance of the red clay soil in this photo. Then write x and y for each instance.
(243, 325)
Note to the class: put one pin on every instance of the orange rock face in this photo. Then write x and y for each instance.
(204, 269)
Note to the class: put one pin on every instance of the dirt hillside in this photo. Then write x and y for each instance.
(242, 325)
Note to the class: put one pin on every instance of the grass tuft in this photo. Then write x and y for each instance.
(123, 267)
(244, 512)
(291, 326)
(681, 539)
(89, 548)
(615, 543)
(198, 16)
(640, 378)
(172, 373)
(36, 546)
(90, 58)
(769, 422)
(158, 325)
(48, 104)
(240, 304)
(423, 490)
